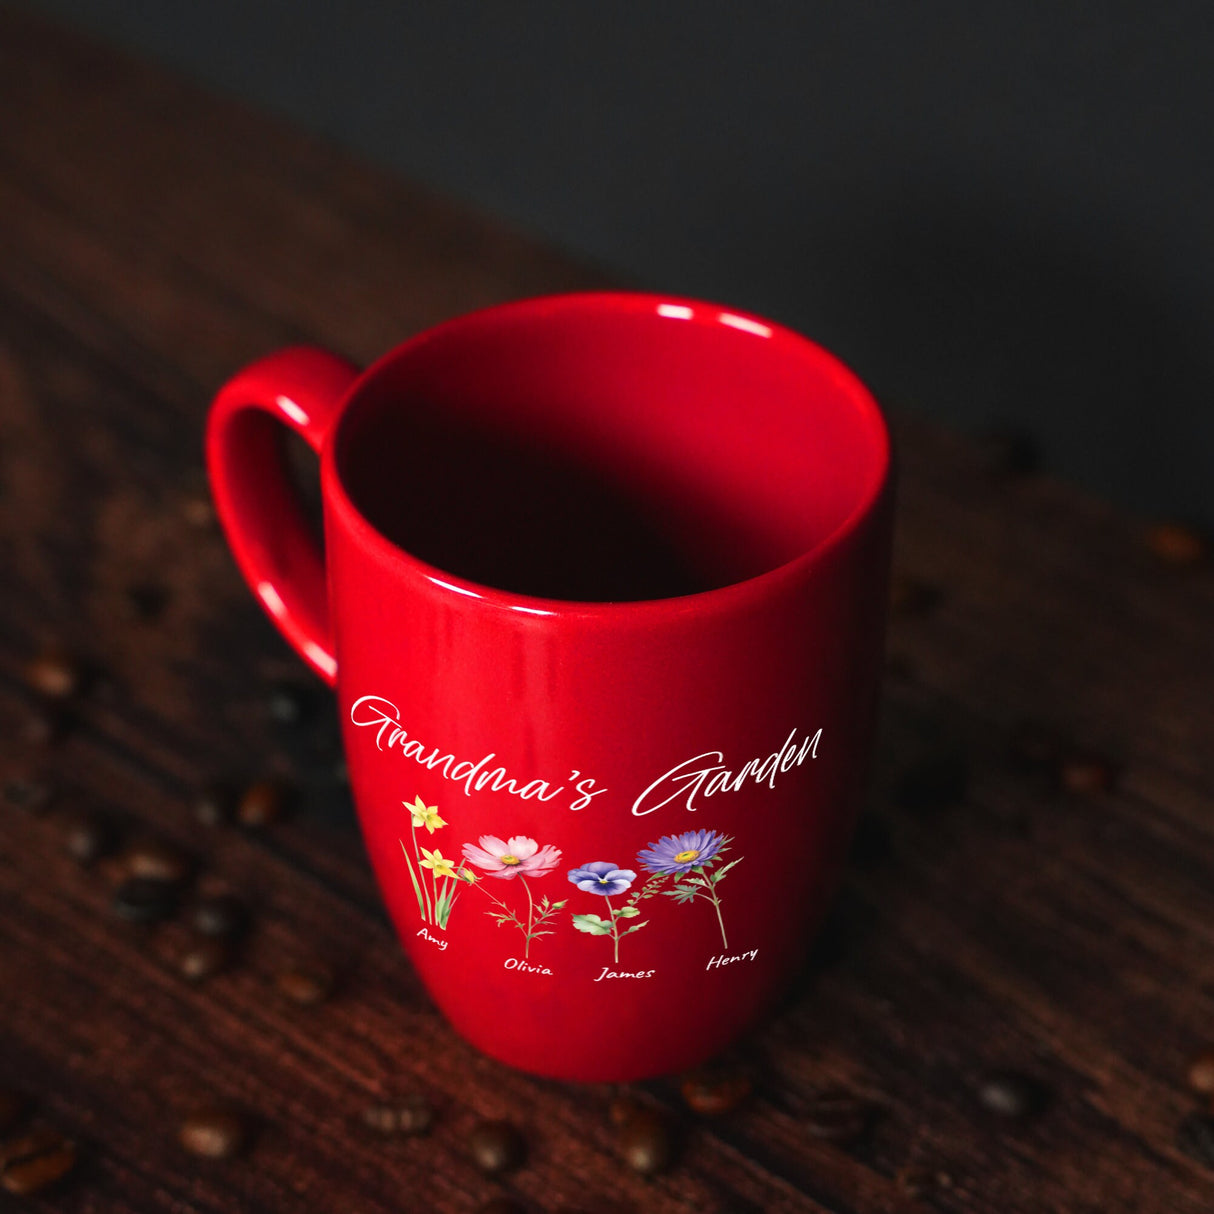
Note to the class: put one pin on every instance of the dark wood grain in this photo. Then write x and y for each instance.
(152, 239)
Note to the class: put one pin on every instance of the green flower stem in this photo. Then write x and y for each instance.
(429, 914)
(714, 898)
(497, 901)
(417, 889)
(530, 918)
(434, 886)
(615, 929)
(647, 890)
(716, 901)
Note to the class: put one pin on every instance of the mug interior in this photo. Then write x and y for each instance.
(609, 447)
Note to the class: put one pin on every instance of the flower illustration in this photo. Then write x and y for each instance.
(599, 877)
(679, 854)
(606, 879)
(437, 863)
(518, 856)
(435, 897)
(424, 815)
(689, 858)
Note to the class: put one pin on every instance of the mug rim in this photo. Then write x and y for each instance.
(335, 493)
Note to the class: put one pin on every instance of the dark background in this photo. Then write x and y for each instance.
(997, 213)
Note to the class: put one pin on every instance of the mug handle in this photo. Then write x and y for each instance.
(265, 526)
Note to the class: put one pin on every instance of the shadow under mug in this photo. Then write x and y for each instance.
(603, 600)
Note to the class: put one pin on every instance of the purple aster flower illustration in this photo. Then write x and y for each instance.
(600, 877)
(678, 854)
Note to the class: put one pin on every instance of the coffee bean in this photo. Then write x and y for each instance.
(1085, 775)
(932, 783)
(88, 836)
(1177, 543)
(54, 675)
(412, 1115)
(13, 1107)
(216, 1132)
(26, 792)
(214, 804)
(144, 900)
(1201, 1073)
(156, 860)
(1009, 1094)
(44, 724)
(198, 511)
(223, 916)
(1195, 1137)
(911, 596)
(623, 1108)
(920, 1181)
(148, 601)
(496, 1146)
(203, 959)
(381, 1117)
(645, 1141)
(35, 1161)
(837, 1116)
(289, 703)
(713, 1091)
(262, 803)
(1007, 451)
(502, 1205)
(306, 984)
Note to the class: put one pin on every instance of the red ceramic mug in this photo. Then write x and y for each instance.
(603, 600)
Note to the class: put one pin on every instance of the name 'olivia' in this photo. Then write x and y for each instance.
(707, 774)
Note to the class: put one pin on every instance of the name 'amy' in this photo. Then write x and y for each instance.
(706, 774)
(442, 944)
(725, 959)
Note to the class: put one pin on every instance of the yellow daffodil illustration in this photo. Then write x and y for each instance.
(436, 895)
(424, 815)
(437, 864)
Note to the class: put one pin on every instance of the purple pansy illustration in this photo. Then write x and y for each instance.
(599, 877)
(690, 858)
(607, 880)
(679, 854)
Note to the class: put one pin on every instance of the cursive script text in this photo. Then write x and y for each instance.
(374, 712)
(706, 774)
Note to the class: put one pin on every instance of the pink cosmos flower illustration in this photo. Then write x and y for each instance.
(514, 857)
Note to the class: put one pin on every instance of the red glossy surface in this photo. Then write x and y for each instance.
(761, 461)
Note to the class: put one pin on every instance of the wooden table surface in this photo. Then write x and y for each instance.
(153, 239)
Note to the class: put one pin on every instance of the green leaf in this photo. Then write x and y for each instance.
(636, 927)
(592, 925)
(417, 889)
(442, 908)
(722, 871)
(627, 912)
(557, 905)
(681, 894)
